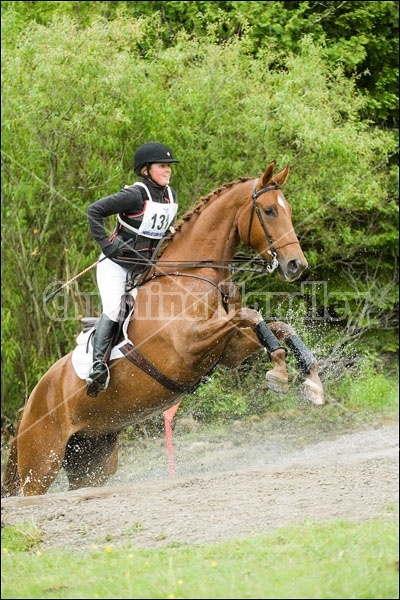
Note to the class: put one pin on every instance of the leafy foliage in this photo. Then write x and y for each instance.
(85, 84)
(362, 37)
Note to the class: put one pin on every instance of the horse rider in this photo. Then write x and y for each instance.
(145, 212)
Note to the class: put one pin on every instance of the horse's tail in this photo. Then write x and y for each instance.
(10, 486)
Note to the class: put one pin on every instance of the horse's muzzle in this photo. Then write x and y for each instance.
(293, 269)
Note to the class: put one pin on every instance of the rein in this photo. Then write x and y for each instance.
(200, 264)
(270, 267)
(140, 280)
(210, 263)
(218, 286)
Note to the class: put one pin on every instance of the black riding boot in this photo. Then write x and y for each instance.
(102, 337)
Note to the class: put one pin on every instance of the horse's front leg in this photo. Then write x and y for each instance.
(250, 332)
(307, 363)
(276, 378)
(244, 343)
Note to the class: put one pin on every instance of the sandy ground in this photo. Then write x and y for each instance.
(243, 483)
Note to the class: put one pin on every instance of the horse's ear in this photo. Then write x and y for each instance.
(281, 177)
(268, 174)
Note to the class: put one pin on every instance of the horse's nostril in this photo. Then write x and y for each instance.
(295, 267)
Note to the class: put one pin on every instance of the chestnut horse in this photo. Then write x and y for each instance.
(187, 320)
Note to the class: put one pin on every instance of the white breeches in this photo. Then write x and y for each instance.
(111, 279)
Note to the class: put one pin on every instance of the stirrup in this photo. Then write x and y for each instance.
(96, 382)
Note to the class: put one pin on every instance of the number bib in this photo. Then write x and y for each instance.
(157, 219)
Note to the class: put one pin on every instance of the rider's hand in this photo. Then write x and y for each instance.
(114, 248)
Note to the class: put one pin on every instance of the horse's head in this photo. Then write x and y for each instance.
(266, 225)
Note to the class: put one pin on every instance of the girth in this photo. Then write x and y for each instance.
(135, 357)
(133, 354)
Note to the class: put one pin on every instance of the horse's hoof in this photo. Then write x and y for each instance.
(313, 392)
(276, 384)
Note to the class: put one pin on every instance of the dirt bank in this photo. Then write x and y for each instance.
(223, 488)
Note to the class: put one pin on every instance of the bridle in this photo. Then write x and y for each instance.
(274, 264)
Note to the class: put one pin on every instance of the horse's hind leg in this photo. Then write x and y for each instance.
(90, 461)
(40, 453)
(10, 485)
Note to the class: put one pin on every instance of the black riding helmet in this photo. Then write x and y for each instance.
(152, 152)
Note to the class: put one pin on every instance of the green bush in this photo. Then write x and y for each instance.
(78, 98)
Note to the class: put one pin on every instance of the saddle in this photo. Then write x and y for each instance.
(129, 350)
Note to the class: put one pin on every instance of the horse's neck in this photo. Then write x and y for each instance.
(209, 234)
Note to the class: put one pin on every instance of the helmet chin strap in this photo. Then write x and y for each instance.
(149, 178)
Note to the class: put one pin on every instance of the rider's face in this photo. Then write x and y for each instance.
(160, 173)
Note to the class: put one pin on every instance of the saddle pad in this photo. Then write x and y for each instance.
(82, 355)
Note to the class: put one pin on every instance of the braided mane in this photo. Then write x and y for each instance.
(197, 209)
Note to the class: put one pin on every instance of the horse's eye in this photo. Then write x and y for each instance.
(269, 212)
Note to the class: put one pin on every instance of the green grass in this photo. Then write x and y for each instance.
(327, 560)
(378, 392)
(21, 538)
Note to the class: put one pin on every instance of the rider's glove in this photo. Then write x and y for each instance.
(114, 248)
